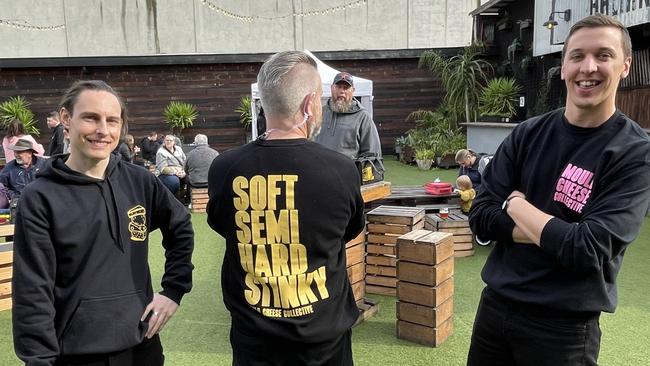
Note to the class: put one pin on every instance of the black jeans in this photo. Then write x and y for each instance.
(512, 333)
(147, 353)
(259, 351)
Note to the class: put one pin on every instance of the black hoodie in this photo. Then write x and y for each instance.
(81, 278)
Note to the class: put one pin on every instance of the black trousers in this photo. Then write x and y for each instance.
(511, 333)
(147, 353)
(255, 351)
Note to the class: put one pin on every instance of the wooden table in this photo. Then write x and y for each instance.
(416, 196)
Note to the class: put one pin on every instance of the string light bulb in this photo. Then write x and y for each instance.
(24, 25)
(250, 19)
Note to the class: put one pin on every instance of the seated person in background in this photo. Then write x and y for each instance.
(127, 149)
(170, 162)
(16, 131)
(149, 146)
(467, 193)
(21, 171)
(198, 162)
(472, 165)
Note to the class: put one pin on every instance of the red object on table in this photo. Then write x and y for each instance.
(438, 188)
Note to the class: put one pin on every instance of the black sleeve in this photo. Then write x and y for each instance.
(357, 219)
(487, 220)
(34, 272)
(174, 222)
(216, 182)
(610, 221)
(56, 144)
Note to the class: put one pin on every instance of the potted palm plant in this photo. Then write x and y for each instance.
(245, 116)
(179, 116)
(18, 108)
(461, 75)
(499, 99)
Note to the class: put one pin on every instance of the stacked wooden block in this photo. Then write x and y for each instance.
(6, 265)
(425, 288)
(385, 225)
(355, 254)
(199, 199)
(456, 224)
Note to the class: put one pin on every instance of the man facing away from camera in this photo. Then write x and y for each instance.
(564, 196)
(286, 207)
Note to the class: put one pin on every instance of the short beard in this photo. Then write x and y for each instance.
(341, 106)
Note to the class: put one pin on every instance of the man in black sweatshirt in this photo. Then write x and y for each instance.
(82, 292)
(564, 196)
(286, 207)
(57, 141)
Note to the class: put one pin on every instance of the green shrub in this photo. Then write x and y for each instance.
(18, 108)
(499, 98)
(180, 115)
(244, 110)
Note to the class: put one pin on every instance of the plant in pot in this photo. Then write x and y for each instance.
(18, 108)
(499, 99)
(424, 158)
(400, 143)
(179, 116)
(245, 115)
(423, 141)
(461, 75)
(450, 143)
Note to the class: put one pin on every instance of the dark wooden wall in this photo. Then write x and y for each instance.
(634, 103)
(400, 88)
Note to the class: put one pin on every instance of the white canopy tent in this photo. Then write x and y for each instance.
(362, 90)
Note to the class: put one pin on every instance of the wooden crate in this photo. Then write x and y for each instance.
(375, 191)
(360, 239)
(456, 224)
(357, 272)
(421, 334)
(384, 260)
(355, 254)
(425, 295)
(381, 290)
(199, 199)
(6, 265)
(381, 270)
(426, 247)
(397, 215)
(424, 315)
(359, 291)
(425, 274)
(385, 225)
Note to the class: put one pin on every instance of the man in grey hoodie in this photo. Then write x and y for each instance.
(347, 127)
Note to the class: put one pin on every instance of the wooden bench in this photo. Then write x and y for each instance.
(199, 199)
(6, 265)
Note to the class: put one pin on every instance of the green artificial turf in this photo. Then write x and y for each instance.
(198, 333)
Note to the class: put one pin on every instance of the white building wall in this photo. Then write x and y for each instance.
(149, 27)
(629, 12)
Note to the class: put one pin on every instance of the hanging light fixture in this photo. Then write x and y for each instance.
(552, 23)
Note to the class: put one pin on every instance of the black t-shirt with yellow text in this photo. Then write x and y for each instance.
(286, 209)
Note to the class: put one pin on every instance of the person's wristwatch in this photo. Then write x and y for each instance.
(505, 204)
